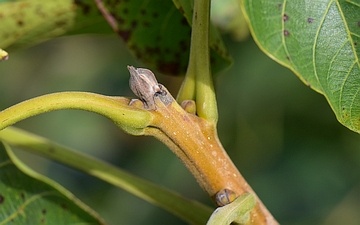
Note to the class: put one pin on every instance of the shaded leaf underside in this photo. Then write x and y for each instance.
(320, 42)
(157, 34)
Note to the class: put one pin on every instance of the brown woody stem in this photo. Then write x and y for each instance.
(195, 141)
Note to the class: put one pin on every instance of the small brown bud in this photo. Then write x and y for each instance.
(144, 85)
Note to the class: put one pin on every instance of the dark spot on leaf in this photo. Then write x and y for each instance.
(155, 15)
(43, 211)
(134, 24)
(20, 23)
(195, 17)
(181, 9)
(310, 20)
(285, 17)
(279, 5)
(177, 55)
(120, 20)
(184, 21)
(286, 33)
(355, 43)
(184, 45)
(1, 16)
(84, 7)
(22, 196)
(125, 34)
(169, 67)
(343, 108)
(288, 57)
(151, 51)
(212, 59)
(146, 24)
(1, 199)
(42, 220)
(358, 23)
(60, 23)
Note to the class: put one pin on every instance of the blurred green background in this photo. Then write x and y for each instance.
(282, 136)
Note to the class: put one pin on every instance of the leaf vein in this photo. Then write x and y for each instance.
(351, 108)
(5, 163)
(354, 34)
(353, 3)
(316, 41)
(334, 60)
(26, 203)
(352, 46)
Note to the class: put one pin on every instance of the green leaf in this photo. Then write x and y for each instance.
(27, 197)
(28, 22)
(191, 211)
(159, 34)
(320, 42)
(237, 211)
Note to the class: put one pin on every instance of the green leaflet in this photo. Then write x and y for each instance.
(319, 41)
(157, 34)
(28, 22)
(27, 197)
(237, 211)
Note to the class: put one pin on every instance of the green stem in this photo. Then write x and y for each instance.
(191, 211)
(198, 83)
(130, 119)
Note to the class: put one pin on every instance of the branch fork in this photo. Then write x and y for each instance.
(195, 141)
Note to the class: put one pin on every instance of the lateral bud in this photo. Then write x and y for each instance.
(145, 86)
